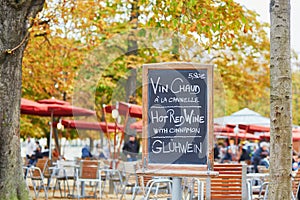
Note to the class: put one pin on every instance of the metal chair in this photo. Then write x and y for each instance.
(37, 179)
(89, 171)
(131, 178)
(64, 172)
(153, 187)
(25, 171)
(59, 175)
(263, 191)
(158, 188)
(197, 189)
(115, 179)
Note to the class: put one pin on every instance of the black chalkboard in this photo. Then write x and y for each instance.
(177, 115)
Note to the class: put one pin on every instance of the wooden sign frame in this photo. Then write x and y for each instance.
(177, 67)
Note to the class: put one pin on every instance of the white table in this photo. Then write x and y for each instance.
(257, 175)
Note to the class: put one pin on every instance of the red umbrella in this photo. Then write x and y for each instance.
(99, 126)
(59, 108)
(55, 108)
(252, 128)
(132, 110)
(32, 108)
(107, 128)
(128, 110)
(266, 136)
(138, 126)
(124, 109)
(53, 101)
(218, 128)
(247, 136)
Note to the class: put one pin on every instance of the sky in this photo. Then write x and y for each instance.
(262, 8)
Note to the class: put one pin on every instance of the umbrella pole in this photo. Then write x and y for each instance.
(50, 142)
(115, 141)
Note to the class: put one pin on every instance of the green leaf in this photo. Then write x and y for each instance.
(142, 33)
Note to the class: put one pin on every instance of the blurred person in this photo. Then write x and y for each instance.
(97, 151)
(256, 157)
(45, 152)
(264, 161)
(245, 156)
(30, 148)
(131, 148)
(55, 154)
(37, 154)
(85, 152)
(223, 150)
(100, 153)
(37, 143)
(228, 156)
(295, 161)
(106, 152)
(234, 149)
(216, 152)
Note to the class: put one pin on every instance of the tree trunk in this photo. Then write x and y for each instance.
(14, 21)
(281, 102)
(132, 49)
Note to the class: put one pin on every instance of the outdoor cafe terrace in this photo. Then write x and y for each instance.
(115, 178)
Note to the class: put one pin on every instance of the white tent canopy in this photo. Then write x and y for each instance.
(244, 116)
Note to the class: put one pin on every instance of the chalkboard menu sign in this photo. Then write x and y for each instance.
(177, 119)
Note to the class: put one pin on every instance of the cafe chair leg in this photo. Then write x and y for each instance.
(265, 195)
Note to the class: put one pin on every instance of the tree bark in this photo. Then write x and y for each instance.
(281, 102)
(15, 16)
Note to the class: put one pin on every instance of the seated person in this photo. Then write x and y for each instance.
(256, 157)
(37, 154)
(264, 161)
(245, 156)
(295, 162)
(56, 155)
(46, 151)
(228, 156)
(100, 153)
(85, 153)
